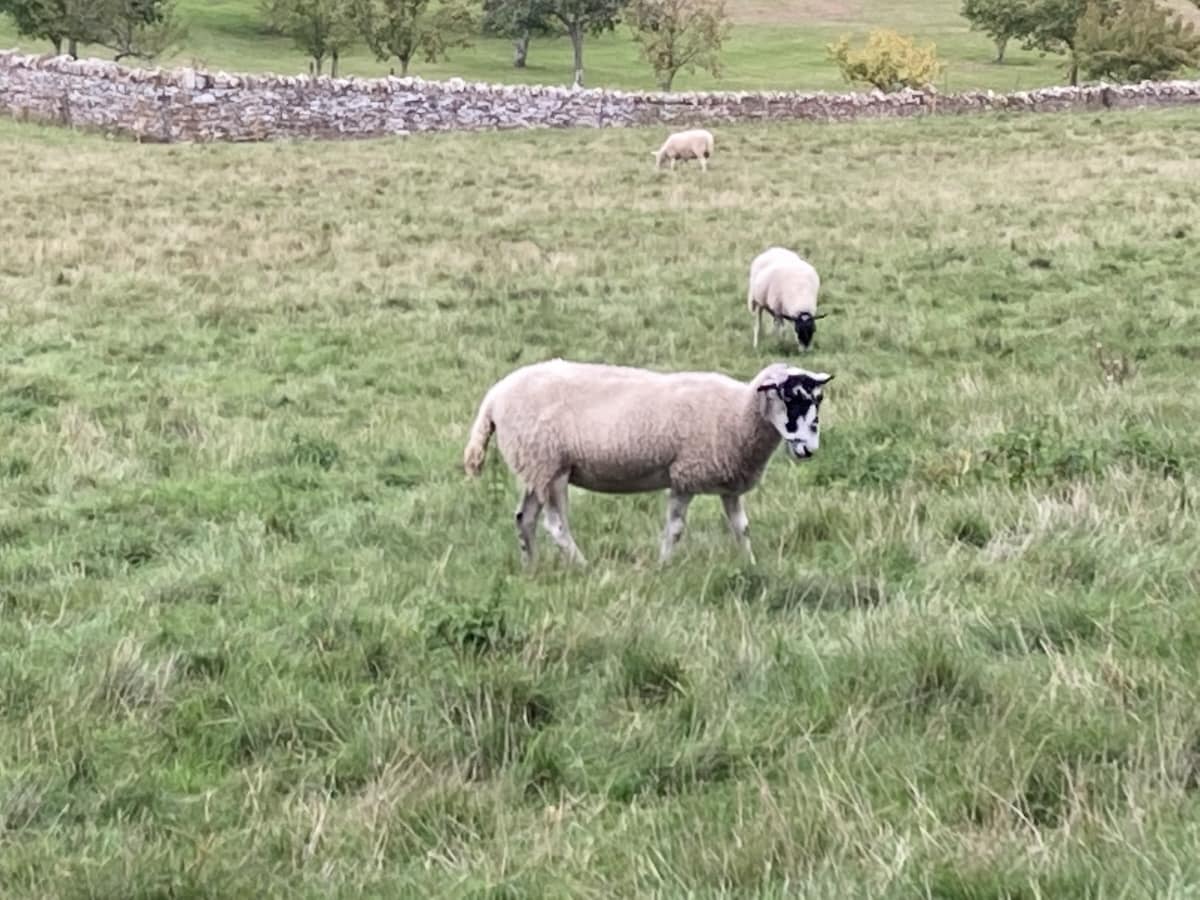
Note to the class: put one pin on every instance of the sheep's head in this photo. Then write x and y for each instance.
(792, 404)
(806, 326)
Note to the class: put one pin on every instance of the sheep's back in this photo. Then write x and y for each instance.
(789, 287)
(772, 256)
(611, 414)
(694, 142)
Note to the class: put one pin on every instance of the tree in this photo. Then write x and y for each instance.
(1139, 41)
(57, 21)
(889, 61)
(142, 29)
(518, 21)
(320, 28)
(679, 34)
(54, 21)
(1053, 25)
(1001, 20)
(402, 28)
(581, 17)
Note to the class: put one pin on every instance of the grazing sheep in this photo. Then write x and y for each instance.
(694, 144)
(620, 430)
(786, 286)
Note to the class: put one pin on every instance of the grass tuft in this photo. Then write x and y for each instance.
(651, 674)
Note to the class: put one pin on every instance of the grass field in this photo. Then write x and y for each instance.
(775, 44)
(260, 637)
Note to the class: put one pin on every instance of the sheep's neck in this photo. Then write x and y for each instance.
(762, 438)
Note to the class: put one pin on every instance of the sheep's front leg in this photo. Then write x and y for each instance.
(757, 325)
(556, 521)
(677, 507)
(739, 522)
(527, 517)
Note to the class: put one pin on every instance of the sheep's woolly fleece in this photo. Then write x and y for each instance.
(696, 143)
(619, 429)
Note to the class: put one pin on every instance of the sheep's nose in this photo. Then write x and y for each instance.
(800, 450)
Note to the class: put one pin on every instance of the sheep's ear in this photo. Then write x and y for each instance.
(820, 378)
(820, 315)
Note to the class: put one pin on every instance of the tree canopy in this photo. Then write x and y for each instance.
(677, 35)
(404, 28)
(1139, 41)
(137, 28)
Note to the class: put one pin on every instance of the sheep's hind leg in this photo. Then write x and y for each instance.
(677, 507)
(556, 521)
(527, 516)
(757, 325)
(739, 522)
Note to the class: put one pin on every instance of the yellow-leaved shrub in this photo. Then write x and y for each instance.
(888, 61)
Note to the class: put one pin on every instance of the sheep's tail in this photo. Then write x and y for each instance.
(481, 434)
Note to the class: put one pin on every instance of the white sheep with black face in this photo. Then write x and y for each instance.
(620, 430)
(786, 286)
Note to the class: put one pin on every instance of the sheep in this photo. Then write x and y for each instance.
(786, 286)
(694, 144)
(620, 430)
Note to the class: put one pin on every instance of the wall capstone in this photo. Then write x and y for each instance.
(191, 105)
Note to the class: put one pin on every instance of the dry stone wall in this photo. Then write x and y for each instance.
(190, 105)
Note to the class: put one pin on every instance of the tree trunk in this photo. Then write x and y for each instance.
(1074, 72)
(665, 80)
(520, 49)
(57, 42)
(333, 64)
(576, 33)
(1001, 46)
(403, 66)
(73, 48)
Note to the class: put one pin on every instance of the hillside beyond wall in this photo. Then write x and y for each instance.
(189, 105)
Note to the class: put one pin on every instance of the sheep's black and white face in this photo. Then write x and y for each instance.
(806, 327)
(794, 407)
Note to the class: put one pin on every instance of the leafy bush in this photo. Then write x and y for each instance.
(1039, 451)
(477, 626)
(889, 61)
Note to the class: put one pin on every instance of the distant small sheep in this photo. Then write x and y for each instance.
(694, 144)
(784, 285)
(620, 430)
